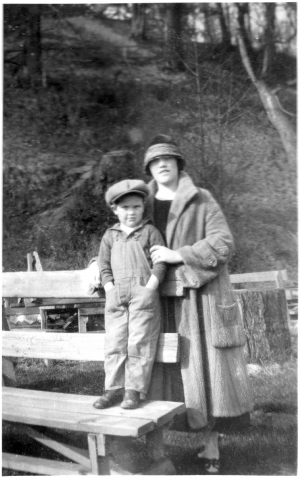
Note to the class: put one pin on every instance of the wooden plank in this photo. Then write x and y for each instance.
(72, 453)
(75, 302)
(40, 466)
(254, 277)
(8, 372)
(159, 412)
(23, 311)
(75, 346)
(92, 445)
(99, 465)
(89, 309)
(96, 423)
(99, 310)
(168, 350)
(172, 288)
(82, 323)
(63, 284)
(38, 264)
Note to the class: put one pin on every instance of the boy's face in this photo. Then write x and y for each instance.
(129, 210)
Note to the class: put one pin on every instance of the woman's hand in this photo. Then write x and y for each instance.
(164, 254)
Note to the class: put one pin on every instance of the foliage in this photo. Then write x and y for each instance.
(99, 99)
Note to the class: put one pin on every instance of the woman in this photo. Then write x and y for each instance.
(213, 379)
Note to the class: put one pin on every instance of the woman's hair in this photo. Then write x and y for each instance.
(161, 138)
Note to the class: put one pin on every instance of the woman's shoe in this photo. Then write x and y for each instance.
(211, 465)
(109, 398)
(131, 399)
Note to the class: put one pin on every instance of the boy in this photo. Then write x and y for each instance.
(132, 320)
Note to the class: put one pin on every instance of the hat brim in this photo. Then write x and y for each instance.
(130, 192)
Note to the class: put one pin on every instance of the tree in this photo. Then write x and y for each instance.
(269, 99)
(269, 40)
(138, 23)
(226, 34)
(243, 12)
(25, 21)
(174, 35)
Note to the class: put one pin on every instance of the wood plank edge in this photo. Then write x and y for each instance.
(44, 466)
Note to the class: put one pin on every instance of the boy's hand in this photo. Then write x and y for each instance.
(93, 274)
(108, 286)
(153, 283)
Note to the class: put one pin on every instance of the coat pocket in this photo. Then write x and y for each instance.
(227, 328)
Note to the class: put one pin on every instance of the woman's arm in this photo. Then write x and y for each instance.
(202, 261)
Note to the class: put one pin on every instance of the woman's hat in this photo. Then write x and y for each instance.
(164, 146)
(126, 187)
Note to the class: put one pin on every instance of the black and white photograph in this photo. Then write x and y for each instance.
(150, 239)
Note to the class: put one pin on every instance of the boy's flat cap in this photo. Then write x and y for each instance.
(125, 187)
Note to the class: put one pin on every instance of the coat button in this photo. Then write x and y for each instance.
(212, 261)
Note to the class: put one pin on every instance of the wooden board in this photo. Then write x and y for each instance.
(257, 277)
(159, 412)
(47, 416)
(41, 466)
(68, 284)
(75, 346)
(65, 284)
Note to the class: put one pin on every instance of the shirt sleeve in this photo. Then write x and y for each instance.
(104, 259)
(159, 270)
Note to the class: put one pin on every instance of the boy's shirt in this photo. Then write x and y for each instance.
(146, 234)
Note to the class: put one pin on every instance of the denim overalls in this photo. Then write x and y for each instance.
(132, 320)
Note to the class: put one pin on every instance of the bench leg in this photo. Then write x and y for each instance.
(98, 450)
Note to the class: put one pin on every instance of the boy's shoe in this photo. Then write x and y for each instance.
(109, 398)
(131, 399)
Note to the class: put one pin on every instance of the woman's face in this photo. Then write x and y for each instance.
(165, 170)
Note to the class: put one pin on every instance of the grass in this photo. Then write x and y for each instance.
(267, 447)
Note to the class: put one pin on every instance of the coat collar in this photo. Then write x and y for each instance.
(185, 192)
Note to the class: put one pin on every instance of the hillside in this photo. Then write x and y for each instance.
(105, 91)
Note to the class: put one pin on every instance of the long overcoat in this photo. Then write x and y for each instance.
(213, 379)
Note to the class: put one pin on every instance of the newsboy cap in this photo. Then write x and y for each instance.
(126, 187)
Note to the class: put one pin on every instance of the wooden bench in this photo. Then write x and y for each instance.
(69, 412)
(54, 294)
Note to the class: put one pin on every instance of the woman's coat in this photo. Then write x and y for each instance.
(214, 378)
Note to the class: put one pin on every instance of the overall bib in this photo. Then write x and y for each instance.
(132, 320)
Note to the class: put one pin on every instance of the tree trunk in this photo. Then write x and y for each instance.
(279, 119)
(272, 106)
(33, 47)
(138, 23)
(269, 41)
(174, 35)
(243, 10)
(226, 36)
(265, 319)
